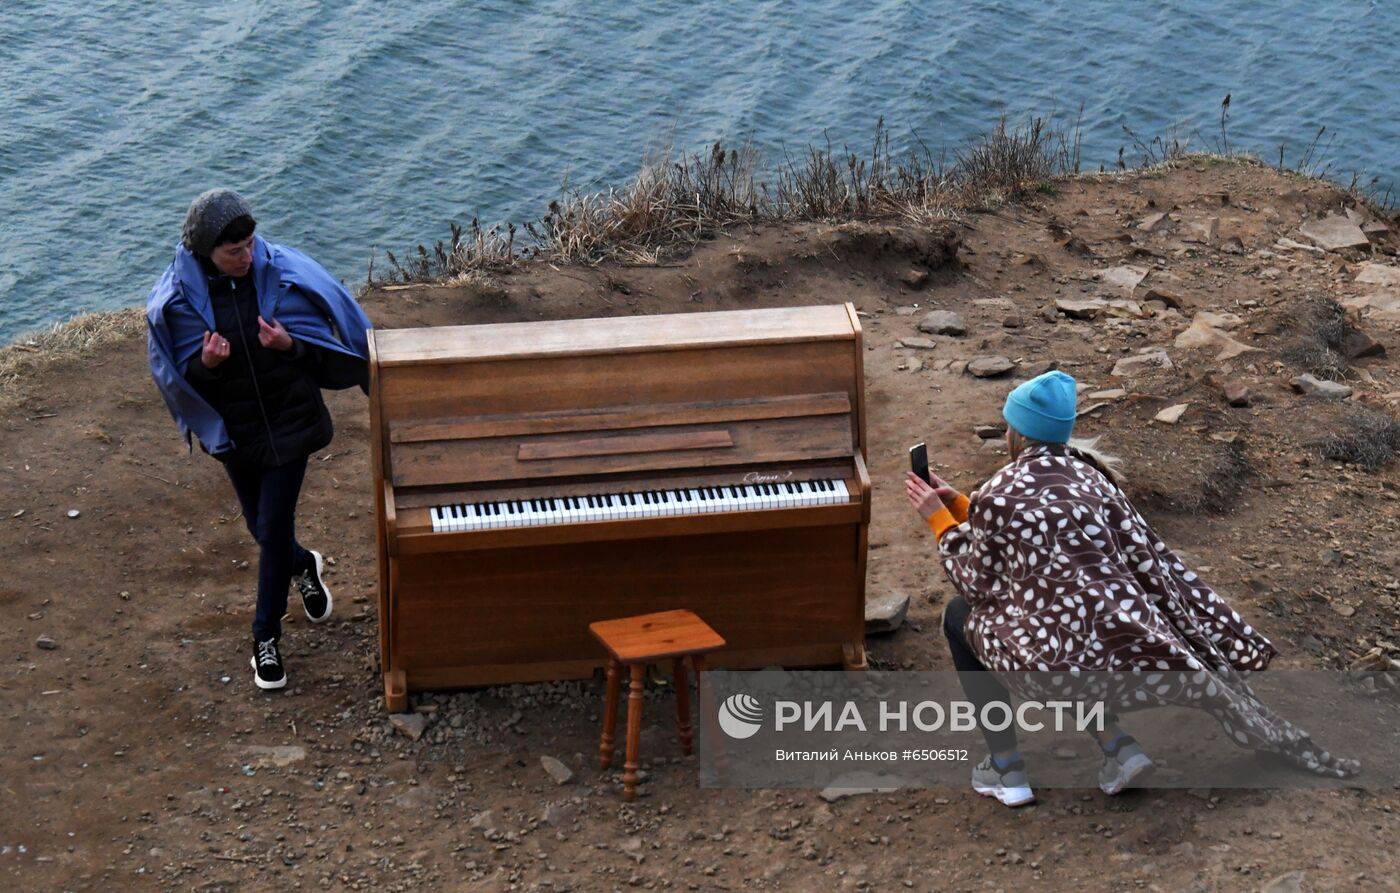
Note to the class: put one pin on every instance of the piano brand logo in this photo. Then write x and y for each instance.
(740, 716)
(754, 477)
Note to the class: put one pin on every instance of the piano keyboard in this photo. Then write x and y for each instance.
(639, 504)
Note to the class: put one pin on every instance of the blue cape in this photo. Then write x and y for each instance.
(317, 311)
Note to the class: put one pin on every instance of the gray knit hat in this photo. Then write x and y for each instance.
(207, 217)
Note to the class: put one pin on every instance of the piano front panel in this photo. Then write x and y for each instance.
(539, 457)
(520, 613)
(532, 385)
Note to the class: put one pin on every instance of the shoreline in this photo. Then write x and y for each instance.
(1009, 165)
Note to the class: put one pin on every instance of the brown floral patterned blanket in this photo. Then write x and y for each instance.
(1063, 574)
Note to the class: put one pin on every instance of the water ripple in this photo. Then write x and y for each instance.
(372, 124)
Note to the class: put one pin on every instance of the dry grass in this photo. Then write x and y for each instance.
(1319, 347)
(675, 201)
(1213, 483)
(73, 339)
(1365, 438)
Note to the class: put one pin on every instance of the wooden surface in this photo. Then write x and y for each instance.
(596, 406)
(656, 637)
(613, 335)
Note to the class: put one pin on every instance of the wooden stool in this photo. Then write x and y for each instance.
(635, 642)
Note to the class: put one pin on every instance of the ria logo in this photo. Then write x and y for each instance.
(741, 716)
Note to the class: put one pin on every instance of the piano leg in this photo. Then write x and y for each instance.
(634, 732)
(605, 747)
(395, 691)
(683, 705)
(853, 656)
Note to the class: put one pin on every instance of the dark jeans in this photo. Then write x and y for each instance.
(269, 500)
(980, 686)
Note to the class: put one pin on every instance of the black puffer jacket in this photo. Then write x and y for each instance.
(269, 399)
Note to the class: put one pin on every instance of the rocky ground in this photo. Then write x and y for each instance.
(1200, 309)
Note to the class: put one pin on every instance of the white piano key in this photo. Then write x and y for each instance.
(547, 510)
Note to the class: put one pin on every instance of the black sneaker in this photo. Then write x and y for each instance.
(267, 665)
(315, 595)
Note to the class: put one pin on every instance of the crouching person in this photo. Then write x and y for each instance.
(1057, 572)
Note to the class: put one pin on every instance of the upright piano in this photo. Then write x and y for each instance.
(532, 478)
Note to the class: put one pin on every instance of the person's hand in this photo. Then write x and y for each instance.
(273, 336)
(926, 499)
(215, 351)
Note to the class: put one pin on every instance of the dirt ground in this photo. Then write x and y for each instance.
(138, 755)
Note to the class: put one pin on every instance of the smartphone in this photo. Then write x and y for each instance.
(918, 461)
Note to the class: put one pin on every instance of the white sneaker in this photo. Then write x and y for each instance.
(1123, 765)
(1012, 787)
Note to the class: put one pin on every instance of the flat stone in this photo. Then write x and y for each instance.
(995, 446)
(1383, 301)
(1172, 414)
(73, 513)
(943, 322)
(485, 822)
(1153, 222)
(1205, 231)
(1201, 334)
(1126, 278)
(1236, 393)
(915, 279)
(987, 432)
(1110, 394)
(1313, 387)
(1077, 308)
(885, 614)
(917, 343)
(411, 725)
(1125, 309)
(1379, 274)
(990, 367)
(1292, 882)
(46, 643)
(856, 783)
(1151, 361)
(1334, 233)
(1359, 346)
(1012, 322)
(557, 770)
(280, 755)
(557, 814)
(1171, 299)
(1369, 223)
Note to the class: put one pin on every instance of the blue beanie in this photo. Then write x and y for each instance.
(1042, 408)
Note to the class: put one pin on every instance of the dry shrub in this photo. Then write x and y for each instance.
(1210, 481)
(1322, 331)
(1363, 437)
(675, 201)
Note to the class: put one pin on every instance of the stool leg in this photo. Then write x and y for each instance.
(605, 748)
(683, 705)
(634, 732)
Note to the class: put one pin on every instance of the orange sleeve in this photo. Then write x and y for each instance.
(959, 509)
(942, 521)
(945, 519)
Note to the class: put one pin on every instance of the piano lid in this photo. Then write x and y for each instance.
(621, 334)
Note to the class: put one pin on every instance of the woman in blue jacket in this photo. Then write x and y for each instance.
(243, 335)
